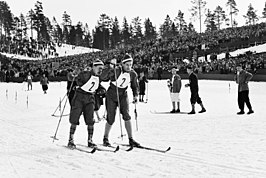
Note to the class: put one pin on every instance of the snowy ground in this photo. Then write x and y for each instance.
(217, 143)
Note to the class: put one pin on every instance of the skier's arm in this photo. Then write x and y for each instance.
(248, 77)
(134, 83)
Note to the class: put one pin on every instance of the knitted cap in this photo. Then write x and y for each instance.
(127, 58)
(97, 62)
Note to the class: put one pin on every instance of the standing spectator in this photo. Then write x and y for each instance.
(242, 78)
(194, 88)
(174, 85)
(44, 82)
(142, 86)
(7, 76)
(159, 72)
(29, 81)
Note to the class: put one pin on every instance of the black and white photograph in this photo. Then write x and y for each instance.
(132, 89)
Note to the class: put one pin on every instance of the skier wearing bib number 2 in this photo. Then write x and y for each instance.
(120, 77)
(83, 101)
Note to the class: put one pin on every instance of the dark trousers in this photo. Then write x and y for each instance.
(242, 99)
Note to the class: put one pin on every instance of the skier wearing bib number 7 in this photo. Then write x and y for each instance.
(83, 101)
(120, 78)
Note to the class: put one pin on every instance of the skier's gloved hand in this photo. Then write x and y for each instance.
(135, 99)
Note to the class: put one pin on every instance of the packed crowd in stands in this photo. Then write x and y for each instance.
(151, 56)
(27, 47)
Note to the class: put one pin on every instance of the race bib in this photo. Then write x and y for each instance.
(123, 80)
(91, 85)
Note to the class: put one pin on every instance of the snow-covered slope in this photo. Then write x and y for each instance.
(217, 143)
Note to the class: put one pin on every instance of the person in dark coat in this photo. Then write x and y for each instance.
(142, 86)
(44, 82)
(242, 78)
(194, 88)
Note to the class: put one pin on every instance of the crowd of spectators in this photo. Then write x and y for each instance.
(27, 47)
(152, 56)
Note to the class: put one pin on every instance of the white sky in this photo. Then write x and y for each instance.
(88, 11)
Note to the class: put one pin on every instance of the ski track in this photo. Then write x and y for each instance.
(217, 143)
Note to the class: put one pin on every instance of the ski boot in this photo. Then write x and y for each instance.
(133, 143)
(71, 144)
(106, 142)
(91, 144)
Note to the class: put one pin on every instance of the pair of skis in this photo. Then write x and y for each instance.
(114, 149)
(92, 150)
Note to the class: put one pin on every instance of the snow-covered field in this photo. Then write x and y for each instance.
(217, 143)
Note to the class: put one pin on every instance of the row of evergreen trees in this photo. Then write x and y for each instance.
(108, 33)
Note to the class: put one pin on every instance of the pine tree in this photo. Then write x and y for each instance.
(150, 31)
(23, 26)
(233, 10)
(125, 32)
(251, 16)
(209, 21)
(72, 35)
(30, 19)
(79, 34)
(181, 23)
(264, 12)
(104, 24)
(115, 36)
(219, 16)
(87, 41)
(6, 18)
(165, 28)
(137, 29)
(198, 8)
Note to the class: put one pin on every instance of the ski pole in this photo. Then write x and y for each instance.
(67, 94)
(58, 107)
(61, 114)
(147, 91)
(136, 115)
(118, 102)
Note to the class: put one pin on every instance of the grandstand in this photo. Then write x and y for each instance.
(206, 52)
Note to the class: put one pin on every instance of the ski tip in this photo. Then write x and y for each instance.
(116, 149)
(169, 148)
(131, 148)
(93, 150)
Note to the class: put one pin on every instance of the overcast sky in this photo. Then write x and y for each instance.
(88, 11)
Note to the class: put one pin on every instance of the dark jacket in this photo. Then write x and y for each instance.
(242, 80)
(193, 82)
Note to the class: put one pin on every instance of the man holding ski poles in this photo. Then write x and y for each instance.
(116, 96)
(84, 102)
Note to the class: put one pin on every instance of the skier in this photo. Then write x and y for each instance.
(44, 82)
(242, 78)
(142, 86)
(194, 88)
(120, 77)
(29, 81)
(174, 85)
(83, 102)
